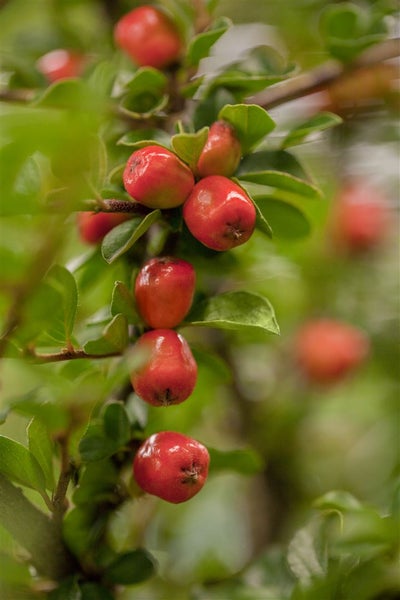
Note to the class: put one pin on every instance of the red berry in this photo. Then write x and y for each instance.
(172, 466)
(167, 372)
(164, 290)
(221, 153)
(157, 178)
(360, 218)
(94, 226)
(219, 213)
(327, 350)
(61, 64)
(149, 37)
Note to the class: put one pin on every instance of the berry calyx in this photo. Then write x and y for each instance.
(94, 226)
(164, 290)
(219, 213)
(172, 466)
(167, 372)
(157, 178)
(327, 350)
(360, 218)
(149, 37)
(221, 153)
(61, 64)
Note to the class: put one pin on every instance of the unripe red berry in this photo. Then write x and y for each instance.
(168, 371)
(61, 64)
(327, 350)
(157, 178)
(221, 153)
(149, 37)
(94, 226)
(164, 290)
(219, 213)
(360, 218)
(172, 466)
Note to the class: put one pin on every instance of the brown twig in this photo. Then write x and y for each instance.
(66, 354)
(323, 75)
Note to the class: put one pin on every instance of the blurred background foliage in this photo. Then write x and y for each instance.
(310, 509)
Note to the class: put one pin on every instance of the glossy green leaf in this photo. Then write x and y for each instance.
(245, 461)
(71, 94)
(251, 123)
(114, 338)
(19, 464)
(286, 220)
(271, 160)
(97, 483)
(131, 567)
(140, 137)
(42, 449)
(348, 29)
(315, 124)
(188, 146)
(95, 445)
(146, 93)
(243, 84)
(200, 45)
(64, 283)
(142, 105)
(337, 500)
(278, 180)
(116, 423)
(120, 239)
(262, 223)
(234, 310)
(123, 303)
(147, 79)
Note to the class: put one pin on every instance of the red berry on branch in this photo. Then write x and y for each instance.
(61, 64)
(149, 37)
(94, 226)
(327, 350)
(360, 217)
(164, 290)
(219, 213)
(172, 466)
(221, 153)
(167, 371)
(157, 178)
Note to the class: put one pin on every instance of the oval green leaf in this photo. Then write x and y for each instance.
(251, 123)
(42, 449)
(131, 567)
(19, 464)
(188, 146)
(234, 310)
(116, 423)
(317, 123)
(200, 45)
(123, 303)
(120, 239)
(113, 340)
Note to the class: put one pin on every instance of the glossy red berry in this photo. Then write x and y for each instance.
(219, 213)
(149, 37)
(327, 350)
(221, 153)
(172, 466)
(167, 371)
(360, 217)
(164, 290)
(157, 178)
(94, 226)
(61, 64)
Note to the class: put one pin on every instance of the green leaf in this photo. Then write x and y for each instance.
(95, 591)
(97, 483)
(146, 93)
(123, 303)
(245, 461)
(337, 500)
(64, 283)
(42, 449)
(95, 445)
(251, 123)
(315, 124)
(188, 146)
(114, 338)
(120, 239)
(116, 423)
(132, 567)
(67, 590)
(348, 29)
(262, 223)
(278, 180)
(147, 137)
(147, 79)
(234, 310)
(19, 464)
(200, 45)
(72, 94)
(287, 221)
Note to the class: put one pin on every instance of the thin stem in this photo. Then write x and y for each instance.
(66, 355)
(325, 74)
